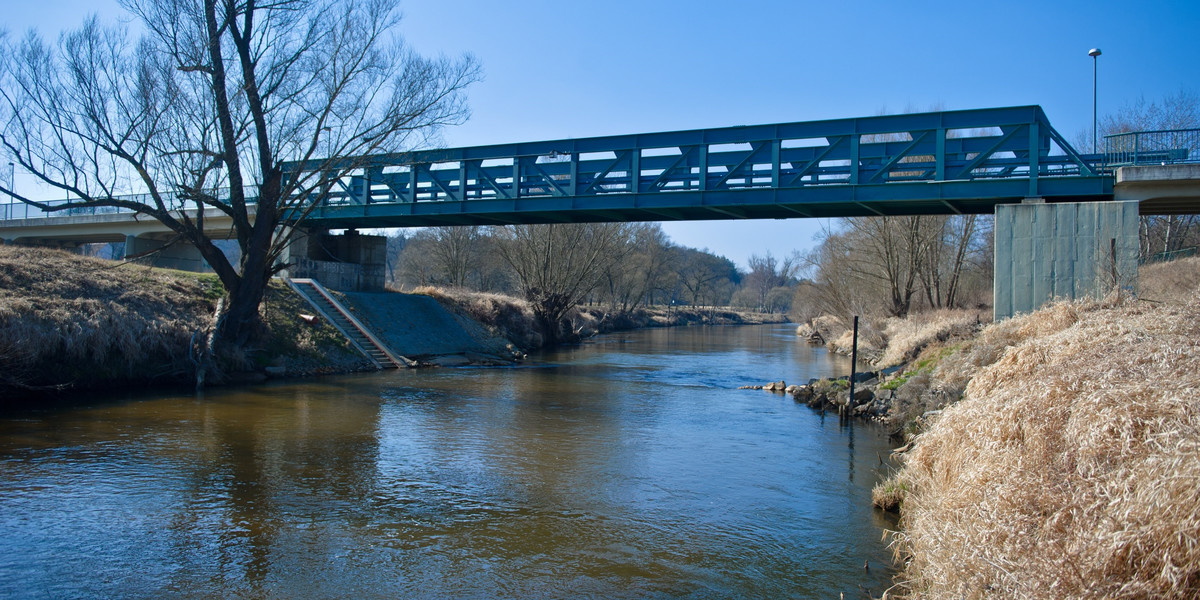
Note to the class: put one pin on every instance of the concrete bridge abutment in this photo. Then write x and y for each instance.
(1069, 250)
(348, 262)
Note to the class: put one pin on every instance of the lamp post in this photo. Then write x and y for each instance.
(12, 189)
(1094, 53)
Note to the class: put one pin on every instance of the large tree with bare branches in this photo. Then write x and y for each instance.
(201, 112)
(558, 265)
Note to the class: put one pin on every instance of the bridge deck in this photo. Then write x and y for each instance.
(925, 163)
(941, 162)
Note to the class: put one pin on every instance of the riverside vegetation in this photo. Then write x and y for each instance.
(75, 322)
(70, 322)
(1052, 455)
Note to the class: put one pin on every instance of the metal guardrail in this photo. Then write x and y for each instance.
(16, 210)
(1159, 147)
(1170, 255)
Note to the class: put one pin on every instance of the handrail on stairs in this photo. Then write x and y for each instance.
(397, 360)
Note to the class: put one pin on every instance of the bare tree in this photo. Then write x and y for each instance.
(454, 252)
(204, 109)
(706, 277)
(766, 274)
(557, 266)
(1161, 235)
(649, 268)
(1177, 110)
(950, 246)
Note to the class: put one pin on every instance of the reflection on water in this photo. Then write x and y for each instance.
(625, 468)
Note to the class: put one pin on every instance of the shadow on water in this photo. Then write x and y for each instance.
(627, 467)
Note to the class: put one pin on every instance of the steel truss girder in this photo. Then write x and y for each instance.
(866, 161)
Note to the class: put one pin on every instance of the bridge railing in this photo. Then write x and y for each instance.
(1008, 144)
(870, 164)
(19, 210)
(16, 210)
(1159, 147)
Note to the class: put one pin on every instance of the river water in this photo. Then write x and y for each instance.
(628, 467)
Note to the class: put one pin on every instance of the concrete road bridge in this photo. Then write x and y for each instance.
(1066, 210)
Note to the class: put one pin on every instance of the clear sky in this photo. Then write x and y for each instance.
(578, 69)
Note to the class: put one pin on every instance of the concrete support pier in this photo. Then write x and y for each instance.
(180, 255)
(1062, 251)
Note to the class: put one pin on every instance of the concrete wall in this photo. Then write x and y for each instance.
(349, 262)
(180, 255)
(1062, 250)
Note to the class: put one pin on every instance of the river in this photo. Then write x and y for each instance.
(626, 467)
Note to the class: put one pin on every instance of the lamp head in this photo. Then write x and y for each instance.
(1094, 52)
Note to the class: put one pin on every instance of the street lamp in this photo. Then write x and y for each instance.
(12, 185)
(1094, 52)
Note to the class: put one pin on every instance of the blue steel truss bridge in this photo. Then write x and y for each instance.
(927, 163)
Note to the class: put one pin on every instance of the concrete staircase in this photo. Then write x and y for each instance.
(337, 315)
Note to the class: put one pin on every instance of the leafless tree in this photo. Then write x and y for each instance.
(768, 273)
(557, 266)
(950, 247)
(455, 252)
(1161, 235)
(705, 277)
(203, 111)
(649, 268)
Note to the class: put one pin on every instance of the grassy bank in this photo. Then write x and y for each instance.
(1055, 454)
(514, 319)
(71, 322)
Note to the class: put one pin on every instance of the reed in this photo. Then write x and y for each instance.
(1071, 468)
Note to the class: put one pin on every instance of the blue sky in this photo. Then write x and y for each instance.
(578, 69)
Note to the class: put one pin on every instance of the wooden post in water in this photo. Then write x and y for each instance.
(853, 368)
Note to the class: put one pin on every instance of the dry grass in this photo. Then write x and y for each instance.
(69, 320)
(1071, 469)
(830, 327)
(870, 341)
(507, 316)
(1169, 282)
(906, 338)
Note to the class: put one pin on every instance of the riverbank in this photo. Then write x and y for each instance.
(1055, 454)
(70, 322)
(513, 318)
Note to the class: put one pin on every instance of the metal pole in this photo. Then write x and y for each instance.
(853, 367)
(1095, 118)
(1094, 53)
(12, 192)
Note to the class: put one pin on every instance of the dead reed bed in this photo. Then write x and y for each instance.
(1071, 468)
(1169, 282)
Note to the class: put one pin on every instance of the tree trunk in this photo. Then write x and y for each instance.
(242, 322)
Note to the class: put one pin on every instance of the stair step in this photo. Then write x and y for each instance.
(311, 291)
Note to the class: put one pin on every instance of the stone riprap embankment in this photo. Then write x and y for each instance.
(872, 393)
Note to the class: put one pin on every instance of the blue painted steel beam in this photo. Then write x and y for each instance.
(939, 162)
